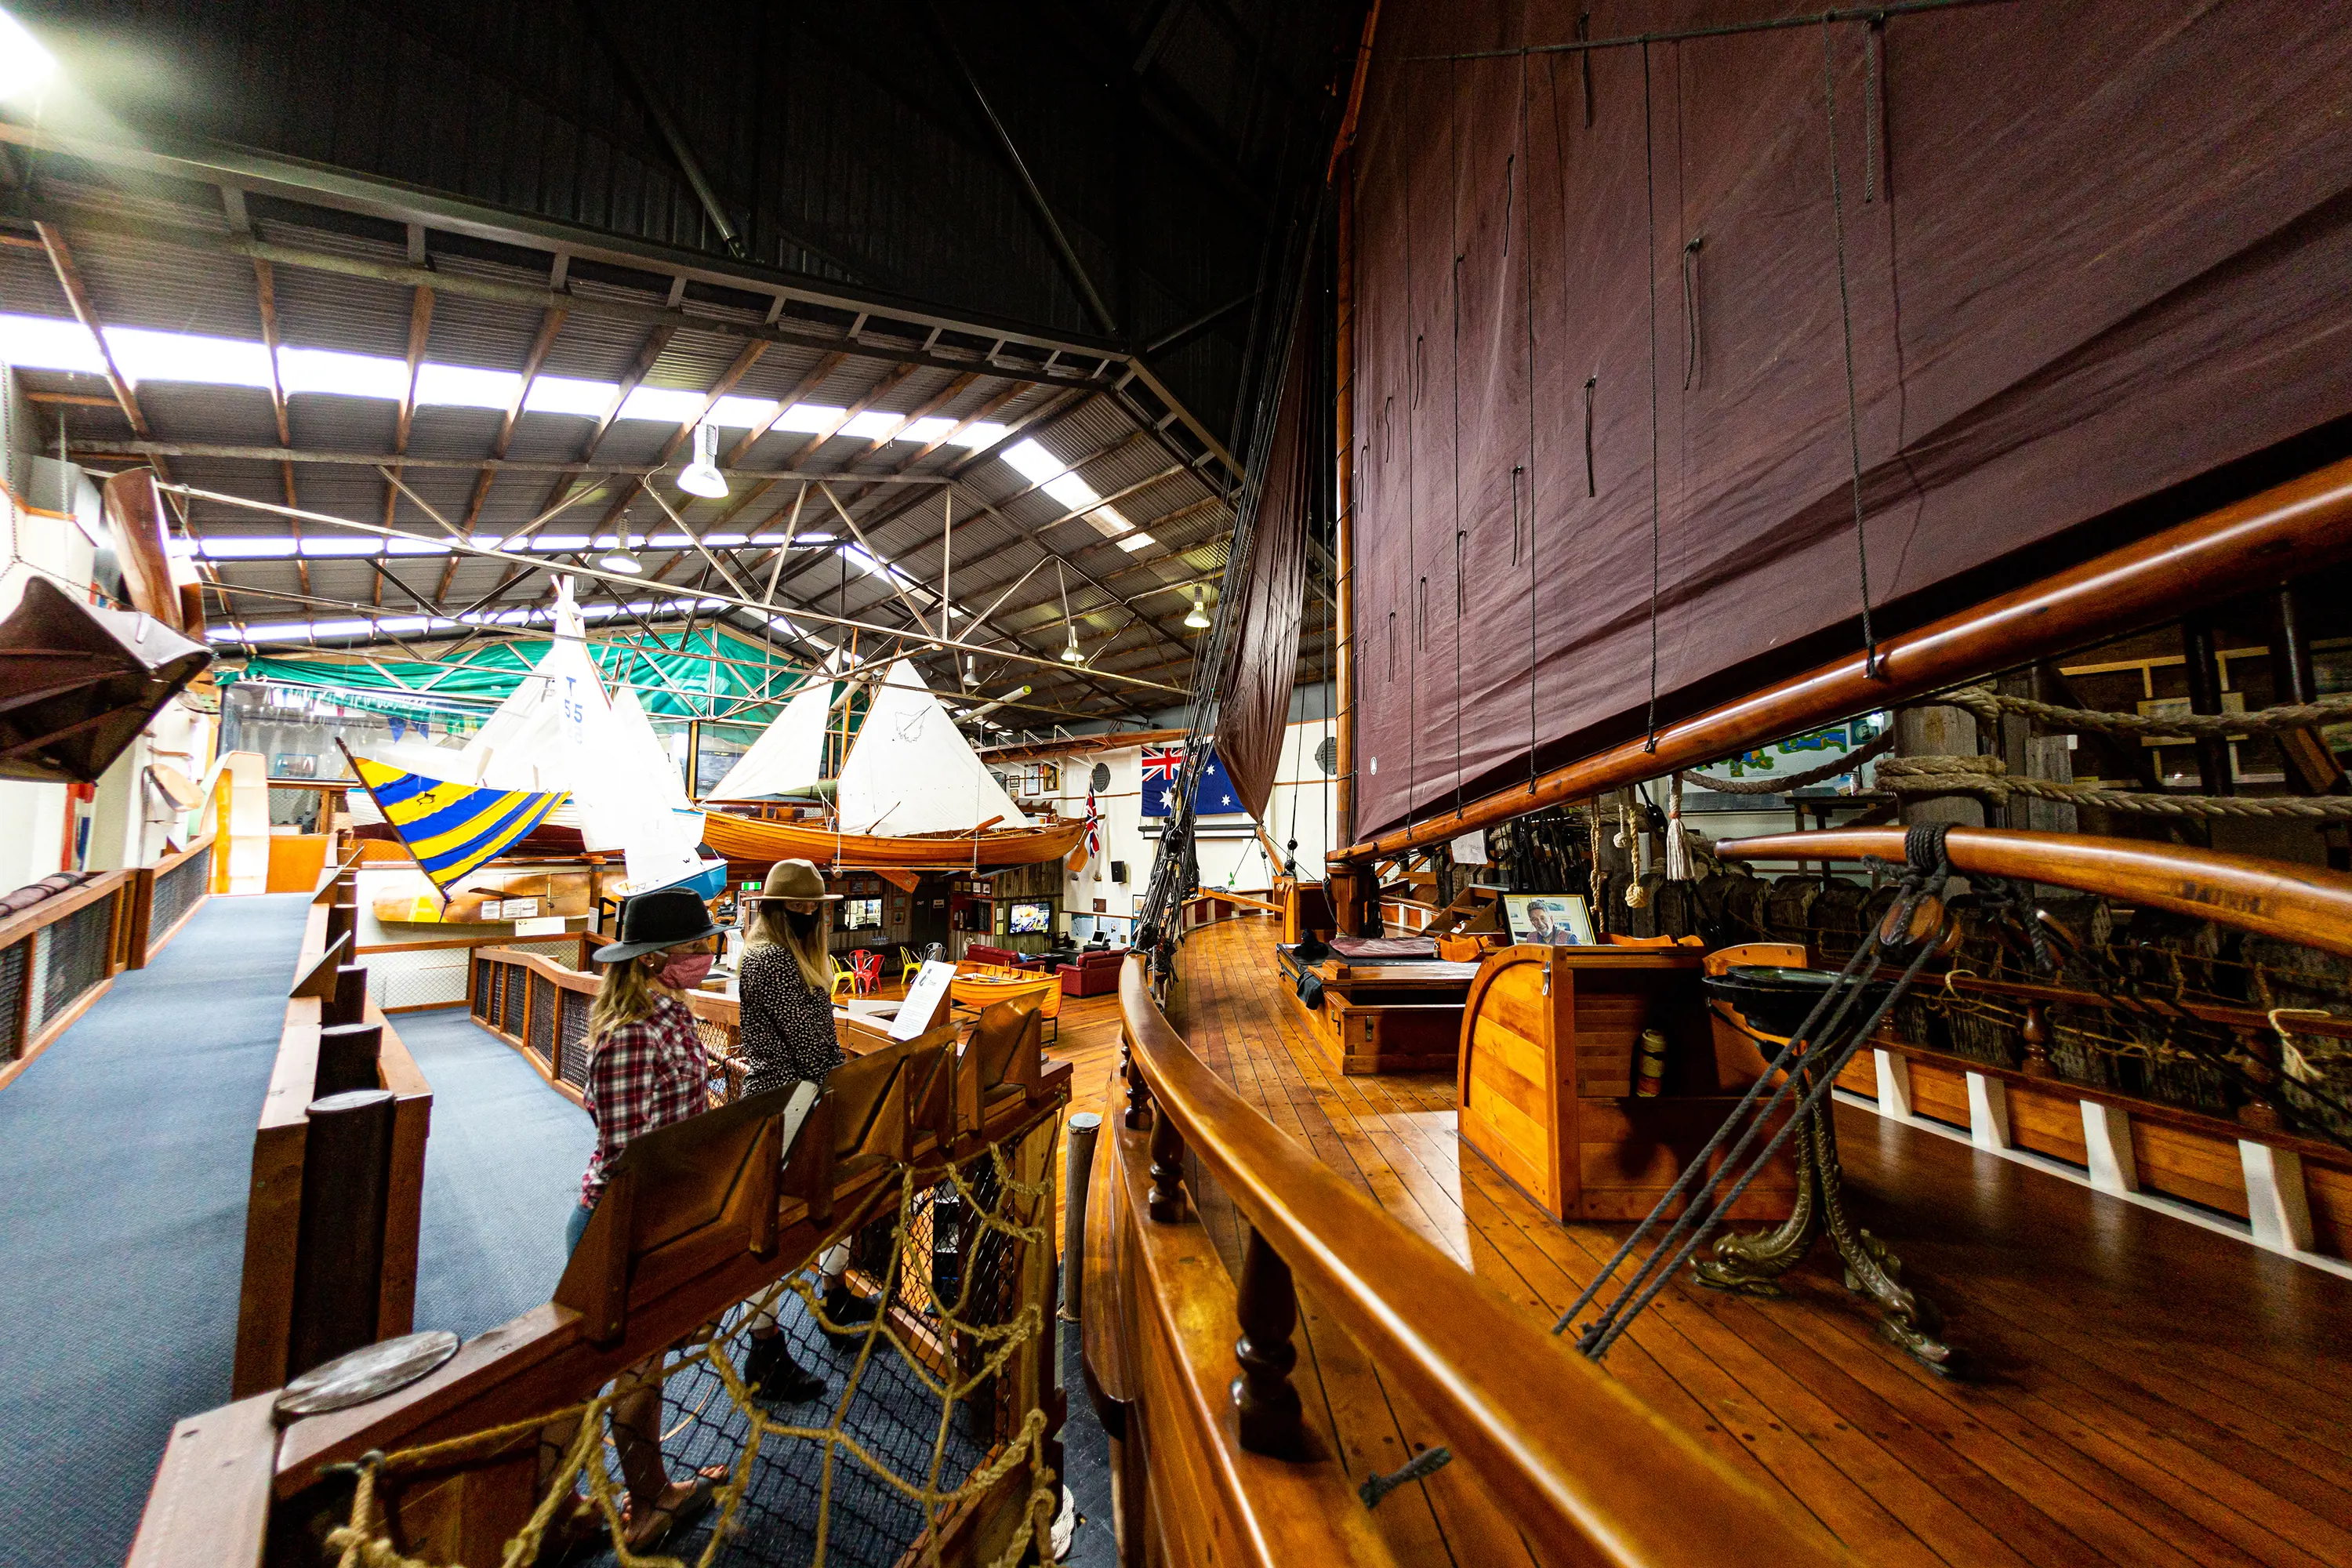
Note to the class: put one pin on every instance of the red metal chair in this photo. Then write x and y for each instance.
(866, 967)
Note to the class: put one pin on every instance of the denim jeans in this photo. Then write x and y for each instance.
(575, 1227)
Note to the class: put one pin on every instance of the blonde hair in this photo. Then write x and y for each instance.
(627, 995)
(769, 929)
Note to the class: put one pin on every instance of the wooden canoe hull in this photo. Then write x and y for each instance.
(748, 843)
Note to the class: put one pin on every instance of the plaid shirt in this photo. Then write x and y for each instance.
(642, 1076)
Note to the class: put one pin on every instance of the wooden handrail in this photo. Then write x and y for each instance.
(2301, 904)
(50, 911)
(2297, 527)
(1577, 1462)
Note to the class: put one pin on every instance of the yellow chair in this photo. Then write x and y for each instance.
(844, 978)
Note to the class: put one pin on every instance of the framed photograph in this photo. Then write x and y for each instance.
(1549, 920)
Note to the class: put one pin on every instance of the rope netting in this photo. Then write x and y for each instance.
(929, 1403)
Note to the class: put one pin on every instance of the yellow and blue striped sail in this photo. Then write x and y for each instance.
(452, 827)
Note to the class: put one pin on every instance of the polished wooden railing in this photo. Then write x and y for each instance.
(1585, 1471)
(334, 1205)
(705, 1219)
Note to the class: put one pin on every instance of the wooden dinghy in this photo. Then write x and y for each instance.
(747, 842)
(909, 770)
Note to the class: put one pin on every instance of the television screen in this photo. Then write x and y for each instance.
(861, 914)
(1031, 919)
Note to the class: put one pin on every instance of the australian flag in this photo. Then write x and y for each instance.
(1163, 764)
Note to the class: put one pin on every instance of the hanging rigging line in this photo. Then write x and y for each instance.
(1584, 44)
(1871, 665)
(1650, 259)
(1528, 299)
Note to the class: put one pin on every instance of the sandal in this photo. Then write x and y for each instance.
(663, 1522)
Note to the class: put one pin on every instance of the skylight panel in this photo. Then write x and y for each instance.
(984, 434)
(874, 425)
(463, 386)
(925, 431)
(144, 355)
(722, 540)
(416, 547)
(248, 547)
(664, 405)
(809, 417)
(1136, 540)
(1034, 463)
(1071, 491)
(301, 370)
(562, 395)
(46, 342)
(558, 542)
(742, 413)
(341, 544)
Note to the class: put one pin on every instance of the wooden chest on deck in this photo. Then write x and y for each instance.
(1545, 1086)
(1392, 1015)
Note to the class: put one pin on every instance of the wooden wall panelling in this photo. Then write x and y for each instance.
(2048, 1123)
(2182, 1163)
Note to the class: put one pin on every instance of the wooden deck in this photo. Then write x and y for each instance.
(2152, 1393)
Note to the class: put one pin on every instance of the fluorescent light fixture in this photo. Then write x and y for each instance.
(143, 355)
(984, 434)
(463, 386)
(874, 425)
(48, 342)
(1033, 462)
(1198, 616)
(562, 395)
(25, 65)
(925, 431)
(331, 371)
(742, 413)
(809, 417)
(663, 405)
(701, 476)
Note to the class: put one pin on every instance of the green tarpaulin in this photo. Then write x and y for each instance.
(708, 673)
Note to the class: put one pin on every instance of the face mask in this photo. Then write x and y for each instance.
(685, 971)
(802, 921)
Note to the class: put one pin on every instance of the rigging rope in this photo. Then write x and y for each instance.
(1991, 777)
(1988, 705)
(1871, 664)
(1650, 259)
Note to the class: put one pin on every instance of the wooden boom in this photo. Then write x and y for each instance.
(2295, 903)
(2257, 542)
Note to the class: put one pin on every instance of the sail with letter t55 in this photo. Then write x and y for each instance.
(452, 827)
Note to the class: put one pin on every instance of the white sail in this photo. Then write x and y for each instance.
(557, 730)
(788, 756)
(637, 747)
(911, 771)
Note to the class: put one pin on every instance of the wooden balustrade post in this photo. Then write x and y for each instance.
(2037, 1042)
(1167, 1171)
(1139, 1095)
(344, 921)
(349, 1003)
(1266, 1406)
(339, 1242)
(350, 1057)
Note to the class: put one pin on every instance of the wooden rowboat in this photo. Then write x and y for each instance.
(749, 844)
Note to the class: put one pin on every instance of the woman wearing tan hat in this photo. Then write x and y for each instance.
(786, 987)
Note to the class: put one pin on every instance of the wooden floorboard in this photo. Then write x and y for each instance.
(2146, 1392)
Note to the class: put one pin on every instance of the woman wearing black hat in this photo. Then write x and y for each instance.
(786, 988)
(646, 1069)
